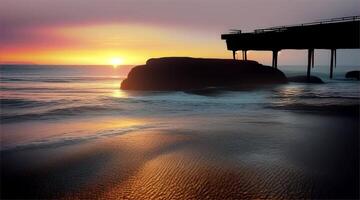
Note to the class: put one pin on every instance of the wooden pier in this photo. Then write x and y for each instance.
(332, 34)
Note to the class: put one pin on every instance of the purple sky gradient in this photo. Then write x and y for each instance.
(202, 14)
(19, 18)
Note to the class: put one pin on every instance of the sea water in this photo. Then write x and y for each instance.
(49, 108)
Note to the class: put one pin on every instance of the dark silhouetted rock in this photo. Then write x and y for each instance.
(182, 73)
(353, 74)
(304, 79)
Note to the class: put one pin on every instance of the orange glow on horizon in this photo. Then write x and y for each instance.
(101, 44)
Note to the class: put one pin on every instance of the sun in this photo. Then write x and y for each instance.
(115, 62)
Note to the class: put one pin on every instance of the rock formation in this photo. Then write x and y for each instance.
(183, 73)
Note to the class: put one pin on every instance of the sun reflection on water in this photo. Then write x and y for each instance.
(290, 91)
(118, 93)
(287, 95)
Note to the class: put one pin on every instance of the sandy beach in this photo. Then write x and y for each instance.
(190, 158)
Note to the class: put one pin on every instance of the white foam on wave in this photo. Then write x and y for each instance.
(64, 140)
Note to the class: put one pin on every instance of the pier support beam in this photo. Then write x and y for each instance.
(309, 64)
(312, 58)
(244, 55)
(234, 54)
(333, 56)
(275, 58)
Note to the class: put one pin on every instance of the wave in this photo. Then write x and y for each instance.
(316, 96)
(34, 80)
(71, 79)
(55, 113)
(64, 141)
(327, 97)
(336, 109)
(13, 103)
(23, 103)
(64, 90)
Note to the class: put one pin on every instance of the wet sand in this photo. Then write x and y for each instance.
(222, 157)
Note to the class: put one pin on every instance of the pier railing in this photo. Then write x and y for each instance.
(327, 21)
(284, 28)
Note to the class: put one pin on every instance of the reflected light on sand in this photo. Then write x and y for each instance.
(81, 131)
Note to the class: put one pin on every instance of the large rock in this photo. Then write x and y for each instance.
(353, 74)
(182, 73)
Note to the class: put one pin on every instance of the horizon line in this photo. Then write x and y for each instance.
(127, 65)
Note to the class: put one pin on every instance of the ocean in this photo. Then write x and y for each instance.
(69, 131)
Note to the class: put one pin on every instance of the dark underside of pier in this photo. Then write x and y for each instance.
(333, 34)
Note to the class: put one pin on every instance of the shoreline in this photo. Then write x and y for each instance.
(187, 161)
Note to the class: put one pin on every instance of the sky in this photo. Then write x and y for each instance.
(132, 31)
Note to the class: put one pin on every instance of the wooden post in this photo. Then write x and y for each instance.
(312, 57)
(335, 59)
(234, 53)
(309, 65)
(332, 63)
(276, 58)
(245, 53)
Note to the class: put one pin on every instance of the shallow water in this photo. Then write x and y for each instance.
(74, 128)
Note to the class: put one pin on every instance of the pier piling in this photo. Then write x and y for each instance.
(335, 59)
(309, 64)
(332, 63)
(312, 58)
(275, 58)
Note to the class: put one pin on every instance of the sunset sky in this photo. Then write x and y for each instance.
(99, 31)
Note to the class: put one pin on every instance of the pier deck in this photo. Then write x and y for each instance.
(333, 34)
